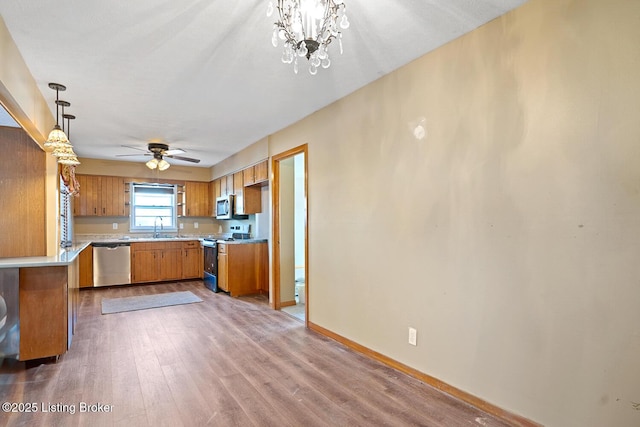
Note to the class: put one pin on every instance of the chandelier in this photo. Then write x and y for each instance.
(307, 27)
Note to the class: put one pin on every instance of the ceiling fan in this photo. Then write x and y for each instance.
(159, 151)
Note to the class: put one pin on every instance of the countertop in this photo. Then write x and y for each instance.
(129, 239)
(64, 257)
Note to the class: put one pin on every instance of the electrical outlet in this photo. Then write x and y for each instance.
(195, 225)
(115, 225)
(181, 226)
(413, 336)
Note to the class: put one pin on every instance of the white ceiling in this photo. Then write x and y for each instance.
(202, 75)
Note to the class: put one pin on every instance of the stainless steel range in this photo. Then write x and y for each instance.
(210, 248)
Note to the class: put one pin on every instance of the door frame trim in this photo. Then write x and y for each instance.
(275, 217)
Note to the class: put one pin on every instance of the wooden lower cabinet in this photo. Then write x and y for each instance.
(171, 263)
(145, 265)
(164, 261)
(192, 260)
(243, 268)
(44, 312)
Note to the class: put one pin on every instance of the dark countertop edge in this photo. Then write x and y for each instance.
(241, 241)
(64, 257)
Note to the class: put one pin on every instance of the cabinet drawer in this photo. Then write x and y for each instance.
(146, 246)
(190, 245)
(150, 246)
(222, 248)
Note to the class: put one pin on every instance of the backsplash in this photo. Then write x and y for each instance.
(104, 226)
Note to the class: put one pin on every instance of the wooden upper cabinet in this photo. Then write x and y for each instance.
(256, 174)
(229, 184)
(215, 189)
(238, 188)
(100, 196)
(223, 186)
(261, 171)
(197, 200)
(113, 196)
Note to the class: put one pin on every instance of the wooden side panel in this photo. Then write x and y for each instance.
(86, 267)
(223, 269)
(22, 182)
(43, 312)
(262, 266)
(238, 188)
(242, 274)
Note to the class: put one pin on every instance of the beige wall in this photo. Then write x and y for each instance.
(509, 236)
(246, 157)
(139, 170)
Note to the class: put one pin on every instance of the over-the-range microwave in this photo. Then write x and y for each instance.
(225, 207)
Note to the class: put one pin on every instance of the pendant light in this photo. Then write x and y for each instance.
(65, 155)
(57, 138)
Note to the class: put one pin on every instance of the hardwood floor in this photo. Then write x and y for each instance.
(223, 362)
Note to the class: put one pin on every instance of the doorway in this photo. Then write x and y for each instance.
(290, 233)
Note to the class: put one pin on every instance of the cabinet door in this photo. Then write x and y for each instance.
(215, 191)
(112, 196)
(229, 184)
(252, 200)
(261, 171)
(86, 204)
(248, 176)
(192, 263)
(197, 198)
(223, 186)
(92, 191)
(238, 188)
(223, 272)
(145, 266)
(80, 202)
(171, 264)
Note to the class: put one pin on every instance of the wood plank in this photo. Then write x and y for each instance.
(22, 181)
(222, 362)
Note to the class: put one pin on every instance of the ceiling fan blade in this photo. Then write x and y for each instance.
(186, 159)
(127, 155)
(135, 148)
(174, 151)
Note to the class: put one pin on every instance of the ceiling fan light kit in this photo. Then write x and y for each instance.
(307, 27)
(159, 151)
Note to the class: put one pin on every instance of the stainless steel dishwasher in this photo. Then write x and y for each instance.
(111, 264)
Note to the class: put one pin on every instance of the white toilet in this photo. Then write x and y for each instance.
(300, 291)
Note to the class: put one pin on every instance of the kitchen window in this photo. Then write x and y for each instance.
(153, 207)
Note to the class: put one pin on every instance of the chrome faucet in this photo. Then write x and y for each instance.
(155, 227)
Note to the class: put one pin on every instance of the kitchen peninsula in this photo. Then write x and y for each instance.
(39, 301)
